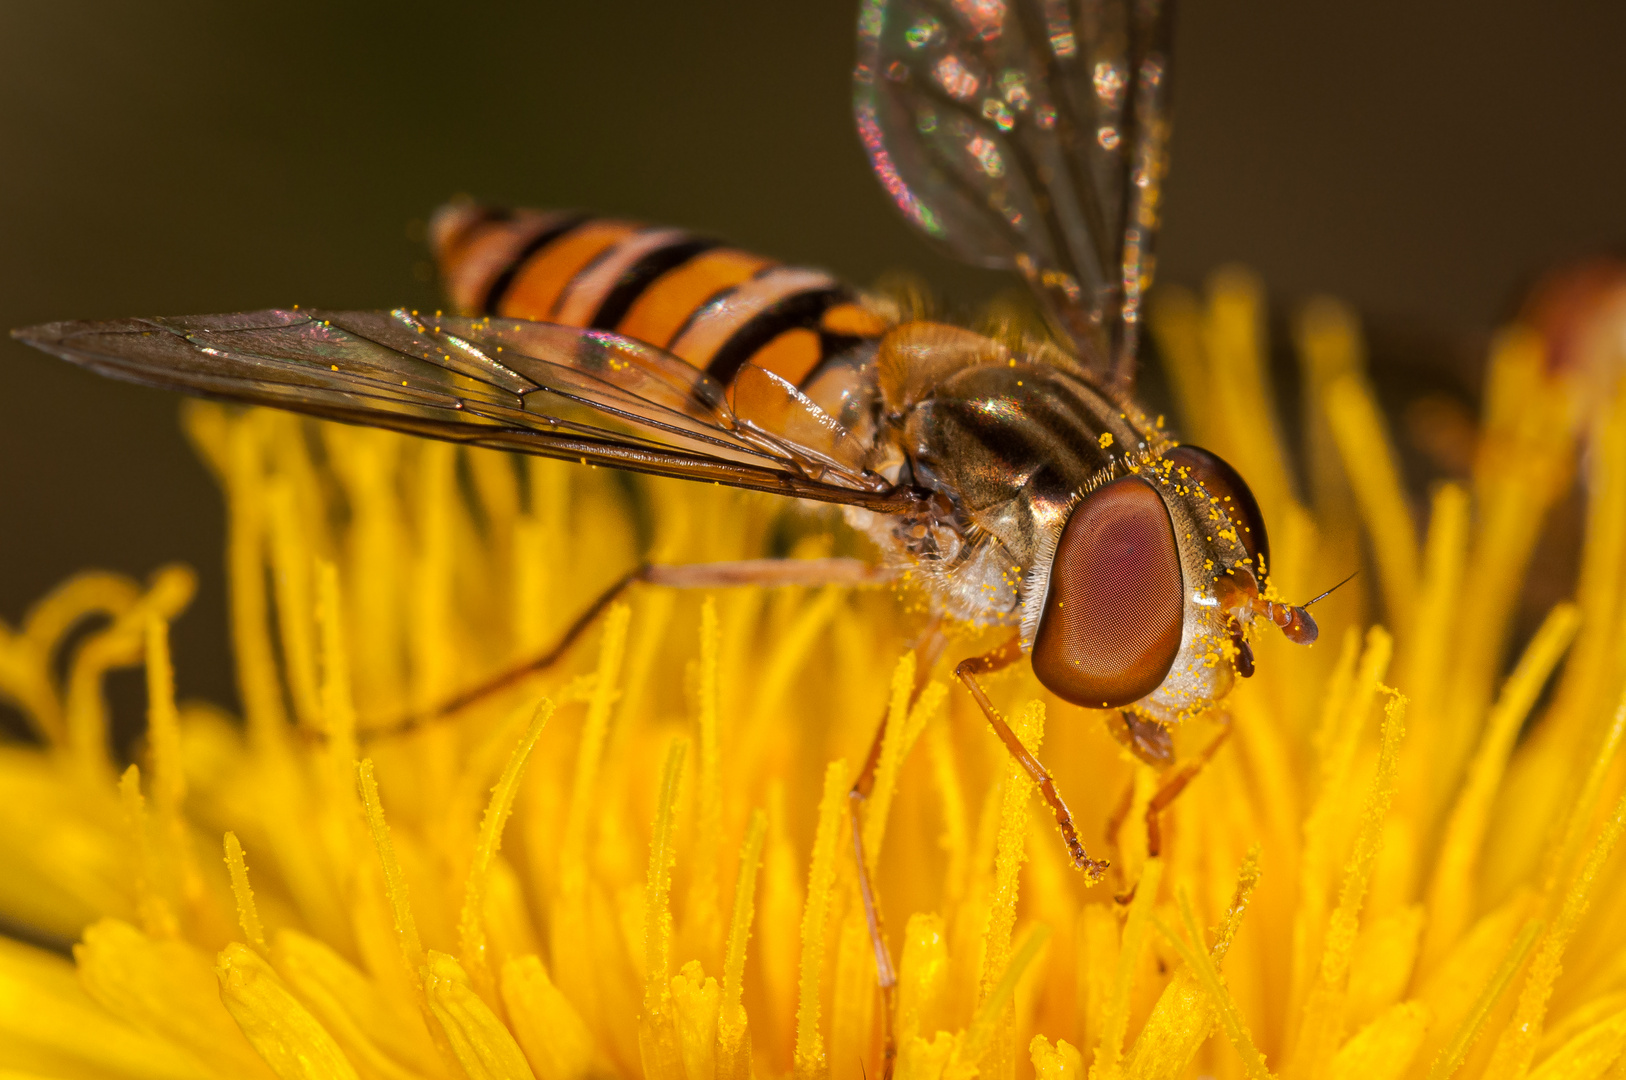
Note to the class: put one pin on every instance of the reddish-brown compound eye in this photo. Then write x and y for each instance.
(1110, 626)
(1226, 484)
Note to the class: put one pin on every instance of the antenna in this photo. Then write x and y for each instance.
(1330, 591)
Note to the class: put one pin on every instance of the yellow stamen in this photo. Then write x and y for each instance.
(1176, 323)
(1185, 1012)
(571, 937)
(658, 1040)
(25, 657)
(1344, 718)
(1451, 893)
(1517, 1045)
(1013, 826)
(471, 923)
(120, 644)
(248, 916)
(1425, 665)
(1239, 393)
(821, 876)
(1199, 961)
(338, 704)
(395, 886)
(955, 840)
(895, 742)
(1115, 1017)
(974, 1045)
(163, 724)
(1322, 1030)
(790, 651)
(852, 999)
(702, 920)
(291, 562)
(1374, 472)
(1581, 813)
(1328, 339)
(612, 648)
(1451, 1058)
(157, 918)
(923, 972)
(236, 454)
(733, 1053)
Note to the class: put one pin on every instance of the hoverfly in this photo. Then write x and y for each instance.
(1022, 484)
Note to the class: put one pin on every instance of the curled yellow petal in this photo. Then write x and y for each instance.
(695, 997)
(1587, 1054)
(287, 1036)
(1383, 1049)
(48, 1021)
(1059, 1062)
(555, 1040)
(483, 1046)
(379, 1039)
(166, 987)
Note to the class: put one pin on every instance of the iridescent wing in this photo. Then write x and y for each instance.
(508, 384)
(1029, 135)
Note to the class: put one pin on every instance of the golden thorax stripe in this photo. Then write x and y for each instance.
(714, 324)
(583, 295)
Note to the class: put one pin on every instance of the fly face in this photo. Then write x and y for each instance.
(1144, 595)
(1056, 503)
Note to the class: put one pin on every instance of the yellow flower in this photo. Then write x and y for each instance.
(1400, 865)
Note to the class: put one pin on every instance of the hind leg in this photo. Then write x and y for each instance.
(927, 650)
(769, 573)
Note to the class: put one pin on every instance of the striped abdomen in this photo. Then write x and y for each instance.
(712, 305)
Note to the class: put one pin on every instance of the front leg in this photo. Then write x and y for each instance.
(1002, 657)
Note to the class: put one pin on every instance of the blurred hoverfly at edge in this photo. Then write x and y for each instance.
(1021, 485)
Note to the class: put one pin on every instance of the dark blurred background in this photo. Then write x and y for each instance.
(1419, 160)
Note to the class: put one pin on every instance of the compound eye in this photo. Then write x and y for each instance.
(1110, 626)
(1226, 484)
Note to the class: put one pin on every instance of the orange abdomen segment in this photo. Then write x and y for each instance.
(714, 306)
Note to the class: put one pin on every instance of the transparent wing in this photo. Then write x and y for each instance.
(1029, 135)
(557, 391)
